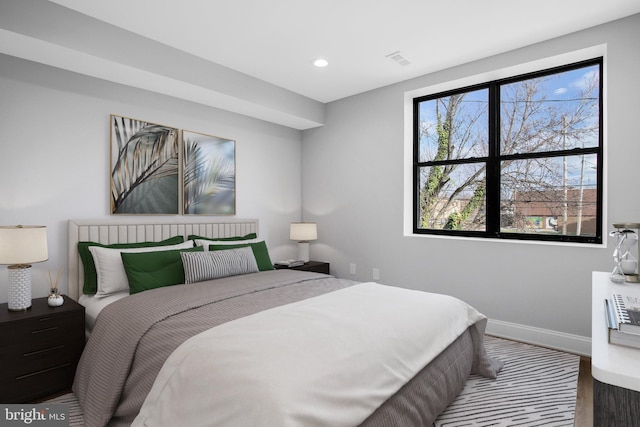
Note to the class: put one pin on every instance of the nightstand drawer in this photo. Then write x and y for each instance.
(33, 334)
(40, 325)
(38, 384)
(42, 358)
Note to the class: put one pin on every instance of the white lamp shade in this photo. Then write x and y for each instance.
(303, 231)
(23, 244)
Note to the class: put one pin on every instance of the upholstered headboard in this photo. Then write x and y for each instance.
(115, 230)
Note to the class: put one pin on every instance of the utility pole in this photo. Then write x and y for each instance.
(565, 176)
(581, 190)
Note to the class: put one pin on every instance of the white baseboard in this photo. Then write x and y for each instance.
(543, 337)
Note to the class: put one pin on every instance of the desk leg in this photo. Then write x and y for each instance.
(615, 406)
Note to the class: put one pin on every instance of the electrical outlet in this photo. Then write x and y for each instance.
(376, 273)
(352, 268)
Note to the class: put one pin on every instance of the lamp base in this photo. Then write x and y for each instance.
(19, 295)
(303, 251)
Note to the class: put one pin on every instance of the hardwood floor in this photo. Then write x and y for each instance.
(584, 399)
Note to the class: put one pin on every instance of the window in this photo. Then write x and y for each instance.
(517, 158)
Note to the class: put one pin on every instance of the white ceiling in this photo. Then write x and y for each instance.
(276, 41)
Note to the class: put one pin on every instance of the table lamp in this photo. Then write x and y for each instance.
(20, 246)
(303, 232)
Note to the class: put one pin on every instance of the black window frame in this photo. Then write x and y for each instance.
(494, 159)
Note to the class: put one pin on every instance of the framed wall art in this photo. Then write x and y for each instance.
(209, 174)
(144, 167)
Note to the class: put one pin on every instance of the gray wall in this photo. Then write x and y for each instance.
(353, 184)
(54, 156)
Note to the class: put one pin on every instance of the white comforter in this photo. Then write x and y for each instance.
(330, 360)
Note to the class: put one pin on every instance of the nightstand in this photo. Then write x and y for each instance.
(40, 349)
(315, 266)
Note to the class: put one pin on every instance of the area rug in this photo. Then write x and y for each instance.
(536, 387)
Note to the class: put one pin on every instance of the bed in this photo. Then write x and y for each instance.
(249, 345)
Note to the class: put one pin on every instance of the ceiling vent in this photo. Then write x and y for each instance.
(397, 57)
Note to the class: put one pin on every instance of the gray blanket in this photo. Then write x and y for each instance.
(133, 337)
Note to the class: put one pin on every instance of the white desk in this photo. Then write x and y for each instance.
(615, 368)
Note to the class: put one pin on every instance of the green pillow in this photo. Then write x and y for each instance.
(150, 270)
(224, 239)
(259, 251)
(90, 285)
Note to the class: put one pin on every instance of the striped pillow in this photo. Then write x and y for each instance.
(199, 266)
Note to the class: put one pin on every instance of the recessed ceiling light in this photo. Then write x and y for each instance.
(320, 63)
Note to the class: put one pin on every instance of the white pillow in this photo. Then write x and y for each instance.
(109, 268)
(206, 243)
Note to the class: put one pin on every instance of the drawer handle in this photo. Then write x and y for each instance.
(44, 319)
(33, 353)
(53, 328)
(21, 377)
